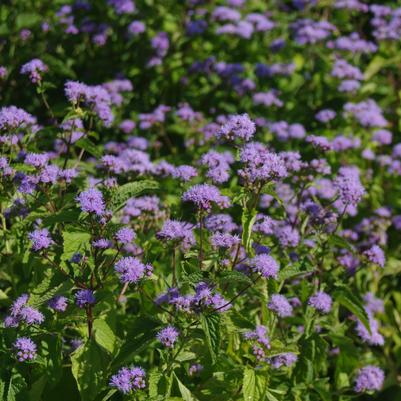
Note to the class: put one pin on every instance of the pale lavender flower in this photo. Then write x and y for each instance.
(224, 240)
(84, 298)
(58, 303)
(131, 270)
(125, 235)
(91, 201)
(375, 255)
(177, 231)
(321, 302)
(280, 305)
(237, 126)
(26, 349)
(40, 239)
(184, 172)
(128, 379)
(34, 69)
(266, 265)
(369, 378)
(286, 359)
(204, 195)
(168, 336)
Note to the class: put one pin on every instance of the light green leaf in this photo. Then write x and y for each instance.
(185, 392)
(352, 302)
(211, 328)
(249, 384)
(104, 335)
(130, 190)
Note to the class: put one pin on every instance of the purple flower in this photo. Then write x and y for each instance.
(279, 304)
(267, 99)
(177, 231)
(265, 264)
(237, 126)
(285, 359)
(375, 255)
(12, 117)
(26, 349)
(261, 164)
(184, 173)
(224, 240)
(58, 303)
(91, 201)
(122, 6)
(102, 243)
(373, 304)
(40, 239)
(219, 165)
(34, 68)
(125, 235)
(128, 379)
(373, 337)
(204, 195)
(321, 302)
(195, 369)
(220, 222)
(260, 335)
(136, 27)
(369, 378)
(325, 115)
(349, 186)
(30, 315)
(131, 270)
(382, 136)
(84, 298)
(168, 336)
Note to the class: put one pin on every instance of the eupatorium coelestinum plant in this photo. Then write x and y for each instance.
(200, 200)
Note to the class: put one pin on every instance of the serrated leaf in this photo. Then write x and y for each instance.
(295, 269)
(340, 242)
(351, 301)
(235, 276)
(211, 328)
(130, 190)
(153, 382)
(248, 220)
(87, 145)
(89, 365)
(104, 335)
(74, 241)
(249, 384)
(185, 392)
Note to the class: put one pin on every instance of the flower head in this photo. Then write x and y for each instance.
(321, 302)
(26, 349)
(168, 336)
(369, 378)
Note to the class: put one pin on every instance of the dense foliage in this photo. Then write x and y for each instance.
(200, 200)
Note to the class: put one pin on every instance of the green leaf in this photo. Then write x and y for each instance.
(349, 300)
(249, 384)
(16, 387)
(295, 269)
(104, 335)
(211, 328)
(39, 298)
(27, 20)
(235, 277)
(340, 242)
(185, 392)
(130, 190)
(74, 241)
(248, 220)
(153, 383)
(89, 365)
(64, 216)
(87, 145)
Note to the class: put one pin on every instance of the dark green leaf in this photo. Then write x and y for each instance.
(211, 328)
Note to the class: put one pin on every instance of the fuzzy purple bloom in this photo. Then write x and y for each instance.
(84, 298)
(91, 201)
(58, 303)
(279, 304)
(131, 270)
(128, 379)
(40, 239)
(375, 255)
(266, 265)
(237, 126)
(204, 195)
(321, 302)
(369, 378)
(26, 349)
(168, 336)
